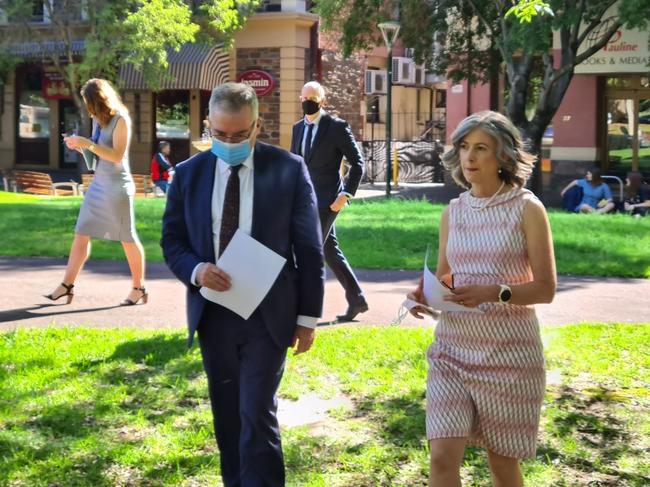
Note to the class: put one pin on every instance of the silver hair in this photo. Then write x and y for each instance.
(317, 86)
(232, 97)
(515, 163)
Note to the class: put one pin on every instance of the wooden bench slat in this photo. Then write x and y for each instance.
(143, 184)
(41, 183)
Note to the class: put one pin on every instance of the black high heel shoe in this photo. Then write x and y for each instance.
(144, 297)
(68, 293)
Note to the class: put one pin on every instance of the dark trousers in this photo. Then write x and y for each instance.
(244, 369)
(335, 259)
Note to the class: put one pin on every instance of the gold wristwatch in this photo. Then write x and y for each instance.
(91, 147)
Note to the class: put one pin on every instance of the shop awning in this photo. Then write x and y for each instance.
(195, 66)
(34, 50)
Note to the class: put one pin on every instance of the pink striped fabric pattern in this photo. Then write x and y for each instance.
(486, 371)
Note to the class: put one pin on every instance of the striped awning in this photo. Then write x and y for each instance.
(33, 50)
(195, 66)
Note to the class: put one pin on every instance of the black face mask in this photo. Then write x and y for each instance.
(309, 107)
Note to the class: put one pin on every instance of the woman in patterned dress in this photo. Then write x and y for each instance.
(107, 209)
(486, 370)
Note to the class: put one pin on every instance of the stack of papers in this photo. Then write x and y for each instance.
(434, 292)
(252, 267)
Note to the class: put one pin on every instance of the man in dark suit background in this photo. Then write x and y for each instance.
(266, 192)
(323, 141)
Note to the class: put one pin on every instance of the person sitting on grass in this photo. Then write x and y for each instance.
(596, 195)
(637, 195)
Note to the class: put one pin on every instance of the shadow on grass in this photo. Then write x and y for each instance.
(20, 314)
(157, 350)
(141, 387)
(401, 419)
(589, 421)
(32, 461)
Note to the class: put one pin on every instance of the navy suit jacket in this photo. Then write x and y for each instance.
(285, 219)
(334, 139)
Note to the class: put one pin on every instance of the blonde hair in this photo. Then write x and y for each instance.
(102, 100)
(515, 163)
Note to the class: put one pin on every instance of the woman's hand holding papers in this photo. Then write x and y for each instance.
(210, 276)
(418, 296)
(473, 295)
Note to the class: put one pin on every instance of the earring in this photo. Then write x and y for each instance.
(500, 171)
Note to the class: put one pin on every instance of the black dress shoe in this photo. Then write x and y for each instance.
(353, 310)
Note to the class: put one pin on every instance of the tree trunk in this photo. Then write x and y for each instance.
(532, 136)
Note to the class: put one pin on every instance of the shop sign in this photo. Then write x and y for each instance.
(54, 86)
(261, 81)
(625, 52)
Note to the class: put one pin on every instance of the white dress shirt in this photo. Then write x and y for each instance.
(246, 192)
(315, 123)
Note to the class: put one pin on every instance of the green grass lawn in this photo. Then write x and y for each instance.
(89, 407)
(374, 235)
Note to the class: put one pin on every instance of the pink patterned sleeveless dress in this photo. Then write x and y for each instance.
(486, 370)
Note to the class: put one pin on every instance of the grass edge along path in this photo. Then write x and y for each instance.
(374, 235)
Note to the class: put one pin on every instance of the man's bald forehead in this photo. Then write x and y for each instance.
(313, 88)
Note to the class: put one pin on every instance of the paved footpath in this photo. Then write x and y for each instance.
(102, 285)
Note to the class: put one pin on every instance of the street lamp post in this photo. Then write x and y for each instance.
(389, 31)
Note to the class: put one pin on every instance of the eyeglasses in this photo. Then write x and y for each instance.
(233, 139)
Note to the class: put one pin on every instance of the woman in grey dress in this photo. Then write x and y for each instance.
(107, 209)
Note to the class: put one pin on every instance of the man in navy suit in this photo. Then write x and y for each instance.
(265, 192)
(323, 141)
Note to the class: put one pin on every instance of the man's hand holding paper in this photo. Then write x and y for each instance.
(210, 276)
(243, 275)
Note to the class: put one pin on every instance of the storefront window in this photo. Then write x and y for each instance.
(628, 123)
(33, 116)
(644, 134)
(173, 122)
(623, 82)
(620, 130)
(173, 115)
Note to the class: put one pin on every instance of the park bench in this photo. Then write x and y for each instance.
(6, 180)
(143, 184)
(41, 183)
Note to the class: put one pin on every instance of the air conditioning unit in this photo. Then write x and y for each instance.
(403, 71)
(420, 75)
(375, 82)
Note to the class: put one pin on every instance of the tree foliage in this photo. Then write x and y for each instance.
(140, 32)
(116, 32)
(474, 40)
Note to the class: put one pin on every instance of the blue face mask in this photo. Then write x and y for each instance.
(231, 154)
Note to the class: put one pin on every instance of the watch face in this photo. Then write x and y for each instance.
(505, 295)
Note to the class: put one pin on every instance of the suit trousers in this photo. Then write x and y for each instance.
(244, 368)
(335, 259)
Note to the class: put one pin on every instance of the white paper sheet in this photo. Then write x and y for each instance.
(434, 292)
(253, 268)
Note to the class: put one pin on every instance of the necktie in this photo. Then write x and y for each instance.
(230, 215)
(310, 131)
